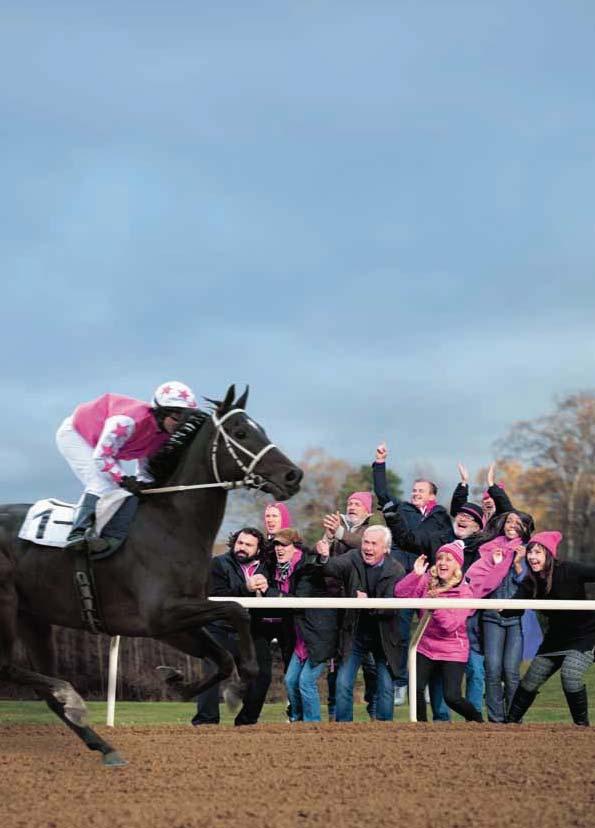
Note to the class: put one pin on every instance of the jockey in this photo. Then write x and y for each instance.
(112, 428)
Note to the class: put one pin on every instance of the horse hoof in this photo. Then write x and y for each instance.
(113, 760)
(169, 674)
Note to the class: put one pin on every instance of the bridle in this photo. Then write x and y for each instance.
(248, 465)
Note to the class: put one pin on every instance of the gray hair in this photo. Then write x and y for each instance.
(384, 531)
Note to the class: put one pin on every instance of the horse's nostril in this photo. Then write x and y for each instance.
(293, 476)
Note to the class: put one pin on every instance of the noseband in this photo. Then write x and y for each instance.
(247, 466)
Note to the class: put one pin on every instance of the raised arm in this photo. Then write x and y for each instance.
(501, 500)
(460, 495)
(379, 473)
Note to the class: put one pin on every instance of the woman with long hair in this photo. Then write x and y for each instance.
(444, 646)
(570, 637)
(502, 634)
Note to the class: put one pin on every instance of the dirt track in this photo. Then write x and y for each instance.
(281, 775)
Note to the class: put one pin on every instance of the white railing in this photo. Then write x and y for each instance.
(369, 603)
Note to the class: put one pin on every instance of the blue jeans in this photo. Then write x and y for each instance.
(503, 651)
(475, 674)
(302, 690)
(369, 671)
(346, 675)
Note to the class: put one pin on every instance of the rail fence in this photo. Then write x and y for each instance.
(426, 604)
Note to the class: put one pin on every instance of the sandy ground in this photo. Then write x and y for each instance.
(281, 775)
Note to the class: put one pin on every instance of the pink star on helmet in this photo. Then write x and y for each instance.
(107, 450)
(166, 389)
(107, 465)
(120, 430)
(184, 394)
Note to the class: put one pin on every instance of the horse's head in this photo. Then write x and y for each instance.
(241, 450)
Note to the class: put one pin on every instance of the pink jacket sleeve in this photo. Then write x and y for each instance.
(411, 586)
(484, 576)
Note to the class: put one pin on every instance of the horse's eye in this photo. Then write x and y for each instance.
(240, 434)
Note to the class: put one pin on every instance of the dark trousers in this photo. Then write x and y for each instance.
(452, 673)
(207, 707)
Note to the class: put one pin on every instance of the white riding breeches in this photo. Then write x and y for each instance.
(80, 457)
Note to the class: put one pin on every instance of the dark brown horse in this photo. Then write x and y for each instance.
(156, 585)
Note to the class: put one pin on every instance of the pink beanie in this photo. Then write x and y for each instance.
(550, 540)
(365, 498)
(456, 549)
(286, 520)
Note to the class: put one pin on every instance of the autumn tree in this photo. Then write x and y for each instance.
(549, 467)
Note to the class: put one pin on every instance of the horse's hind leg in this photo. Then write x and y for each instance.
(60, 696)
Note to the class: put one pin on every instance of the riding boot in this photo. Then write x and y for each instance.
(115, 532)
(84, 520)
(578, 704)
(521, 702)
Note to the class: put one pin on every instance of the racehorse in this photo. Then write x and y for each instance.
(156, 585)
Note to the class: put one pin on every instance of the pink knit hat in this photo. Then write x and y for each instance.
(365, 498)
(551, 541)
(456, 549)
(286, 520)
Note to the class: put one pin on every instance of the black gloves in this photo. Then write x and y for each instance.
(132, 485)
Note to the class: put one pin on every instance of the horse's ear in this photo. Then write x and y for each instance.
(241, 403)
(227, 402)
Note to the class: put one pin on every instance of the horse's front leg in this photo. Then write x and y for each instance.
(201, 644)
(185, 615)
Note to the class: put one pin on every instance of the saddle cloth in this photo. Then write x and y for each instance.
(49, 521)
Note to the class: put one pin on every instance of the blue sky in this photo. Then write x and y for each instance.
(379, 215)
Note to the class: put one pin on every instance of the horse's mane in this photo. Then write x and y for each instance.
(164, 462)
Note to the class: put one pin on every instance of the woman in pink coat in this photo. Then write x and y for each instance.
(444, 646)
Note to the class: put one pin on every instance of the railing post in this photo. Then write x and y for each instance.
(112, 680)
(412, 663)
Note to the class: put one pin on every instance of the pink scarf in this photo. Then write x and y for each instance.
(283, 579)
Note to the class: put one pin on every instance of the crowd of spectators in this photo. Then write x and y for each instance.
(465, 659)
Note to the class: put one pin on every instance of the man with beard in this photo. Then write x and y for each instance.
(240, 572)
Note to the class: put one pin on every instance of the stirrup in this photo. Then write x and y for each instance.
(76, 543)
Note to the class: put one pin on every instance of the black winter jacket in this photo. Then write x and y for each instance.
(460, 496)
(228, 580)
(318, 627)
(567, 629)
(426, 530)
(351, 570)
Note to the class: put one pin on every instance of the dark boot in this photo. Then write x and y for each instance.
(85, 519)
(578, 704)
(115, 532)
(521, 702)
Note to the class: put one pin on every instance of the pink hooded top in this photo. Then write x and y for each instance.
(445, 637)
(284, 512)
(140, 435)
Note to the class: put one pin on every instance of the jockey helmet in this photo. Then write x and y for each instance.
(173, 395)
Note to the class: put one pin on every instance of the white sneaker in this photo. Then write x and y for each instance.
(400, 695)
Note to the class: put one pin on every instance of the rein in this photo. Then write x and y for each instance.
(250, 480)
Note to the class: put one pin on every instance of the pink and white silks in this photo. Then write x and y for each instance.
(104, 431)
